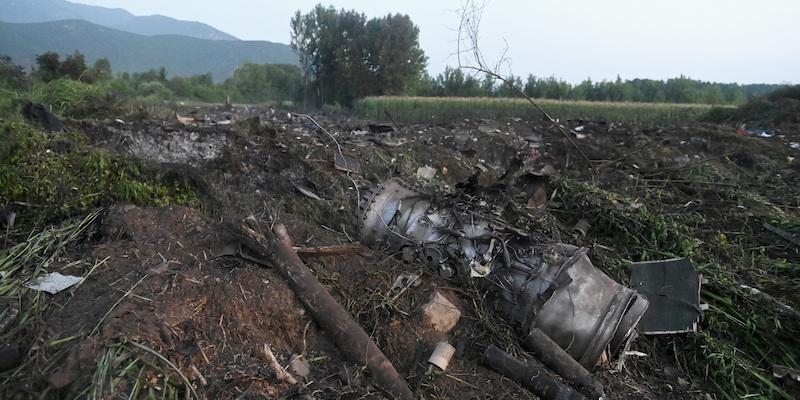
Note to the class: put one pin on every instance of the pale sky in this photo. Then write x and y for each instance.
(726, 41)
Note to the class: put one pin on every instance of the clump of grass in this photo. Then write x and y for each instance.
(74, 99)
(629, 223)
(741, 340)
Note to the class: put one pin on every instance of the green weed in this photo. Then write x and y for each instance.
(56, 176)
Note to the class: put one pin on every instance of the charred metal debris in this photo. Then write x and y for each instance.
(549, 287)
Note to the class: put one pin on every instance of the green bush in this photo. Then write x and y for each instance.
(57, 176)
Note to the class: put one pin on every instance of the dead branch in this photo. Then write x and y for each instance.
(785, 308)
(276, 246)
(471, 57)
(341, 250)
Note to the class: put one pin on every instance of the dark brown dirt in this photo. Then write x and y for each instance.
(164, 284)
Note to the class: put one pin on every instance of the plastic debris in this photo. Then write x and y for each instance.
(53, 282)
(299, 366)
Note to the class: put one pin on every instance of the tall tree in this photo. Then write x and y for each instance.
(49, 66)
(74, 67)
(395, 56)
(344, 56)
(101, 71)
(11, 75)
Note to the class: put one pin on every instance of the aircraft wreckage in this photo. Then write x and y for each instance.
(550, 288)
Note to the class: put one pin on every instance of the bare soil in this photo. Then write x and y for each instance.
(175, 281)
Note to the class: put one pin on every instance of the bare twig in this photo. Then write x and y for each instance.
(470, 57)
(198, 375)
(640, 149)
(338, 149)
(283, 376)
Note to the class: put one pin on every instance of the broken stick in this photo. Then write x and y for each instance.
(347, 334)
(280, 372)
(340, 250)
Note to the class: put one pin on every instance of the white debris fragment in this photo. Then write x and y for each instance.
(53, 282)
(426, 172)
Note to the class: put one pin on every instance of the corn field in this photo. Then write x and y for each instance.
(438, 110)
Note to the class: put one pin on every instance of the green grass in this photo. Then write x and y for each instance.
(742, 336)
(438, 110)
(52, 177)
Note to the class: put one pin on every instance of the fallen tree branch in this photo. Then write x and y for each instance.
(355, 344)
(785, 308)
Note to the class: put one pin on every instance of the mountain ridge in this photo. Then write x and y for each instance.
(34, 11)
(129, 52)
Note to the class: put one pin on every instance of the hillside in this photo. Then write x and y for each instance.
(28, 11)
(128, 52)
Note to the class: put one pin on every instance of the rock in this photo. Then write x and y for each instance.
(441, 313)
(299, 366)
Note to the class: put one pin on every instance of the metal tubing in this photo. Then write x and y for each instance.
(552, 355)
(534, 379)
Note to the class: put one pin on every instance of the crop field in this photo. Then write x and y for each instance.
(438, 110)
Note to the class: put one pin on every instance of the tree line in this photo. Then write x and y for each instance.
(454, 82)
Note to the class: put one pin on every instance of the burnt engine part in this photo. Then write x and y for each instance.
(41, 114)
(553, 287)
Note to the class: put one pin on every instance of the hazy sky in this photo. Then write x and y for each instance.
(742, 41)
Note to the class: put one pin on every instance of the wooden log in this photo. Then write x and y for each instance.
(355, 344)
